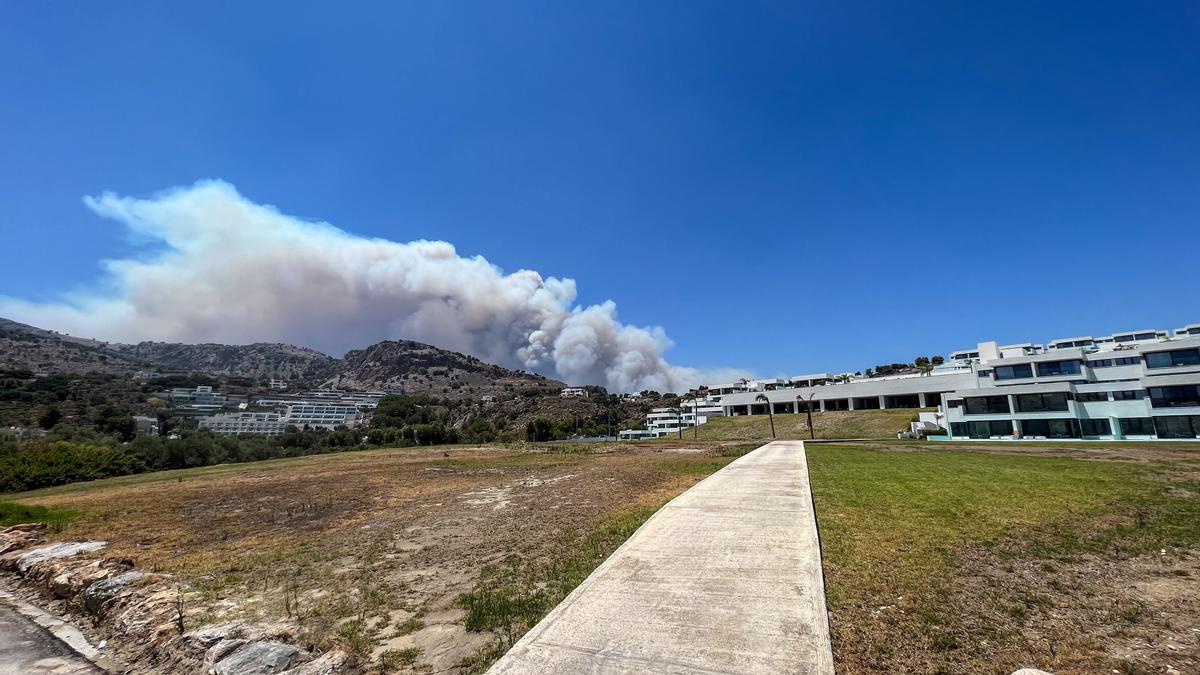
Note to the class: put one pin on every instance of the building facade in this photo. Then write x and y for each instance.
(1141, 388)
(1142, 384)
(233, 424)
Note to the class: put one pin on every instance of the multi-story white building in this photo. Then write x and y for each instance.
(573, 392)
(1142, 384)
(233, 424)
(323, 416)
(1144, 388)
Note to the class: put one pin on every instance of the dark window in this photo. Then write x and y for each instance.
(1131, 395)
(986, 405)
(1175, 397)
(1145, 336)
(933, 399)
(954, 402)
(1100, 363)
(985, 373)
(866, 403)
(1178, 357)
(1091, 396)
(836, 404)
(1013, 372)
(1094, 427)
(1051, 368)
(1061, 428)
(1123, 338)
(1182, 426)
(1136, 426)
(1055, 402)
(984, 429)
(1126, 361)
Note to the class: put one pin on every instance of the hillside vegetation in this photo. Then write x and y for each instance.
(829, 425)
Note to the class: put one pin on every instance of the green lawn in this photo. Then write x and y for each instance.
(858, 424)
(912, 531)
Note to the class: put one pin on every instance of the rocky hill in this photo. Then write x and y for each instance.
(25, 347)
(394, 364)
(261, 360)
(418, 368)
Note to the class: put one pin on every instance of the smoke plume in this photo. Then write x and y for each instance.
(229, 270)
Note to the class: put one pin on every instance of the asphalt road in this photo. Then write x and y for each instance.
(28, 649)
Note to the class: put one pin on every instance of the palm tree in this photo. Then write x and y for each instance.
(701, 392)
(679, 421)
(770, 411)
(925, 368)
(808, 409)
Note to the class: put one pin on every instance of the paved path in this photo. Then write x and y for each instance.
(28, 649)
(724, 579)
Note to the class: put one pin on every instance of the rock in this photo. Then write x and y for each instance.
(54, 552)
(70, 582)
(20, 536)
(334, 661)
(100, 592)
(221, 650)
(210, 635)
(259, 658)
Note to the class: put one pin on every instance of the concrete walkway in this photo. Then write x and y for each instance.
(726, 578)
(28, 649)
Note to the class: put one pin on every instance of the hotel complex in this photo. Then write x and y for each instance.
(1141, 385)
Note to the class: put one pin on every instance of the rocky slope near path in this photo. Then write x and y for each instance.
(151, 621)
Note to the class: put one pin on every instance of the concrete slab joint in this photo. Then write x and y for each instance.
(726, 578)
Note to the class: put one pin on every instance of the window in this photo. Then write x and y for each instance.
(1100, 363)
(1060, 428)
(1131, 395)
(1051, 368)
(985, 373)
(1013, 372)
(985, 405)
(1126, 361)
(954, 402)
(1136, 426)
(1094, 427)
(1041, 402)
(1178, 357)
(1091, 396)
(984, 429)
(1182, 426)
(933, 399)
(1175, 397)
(1145, 336)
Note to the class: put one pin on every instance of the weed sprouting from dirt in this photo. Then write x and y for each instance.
(508, 599)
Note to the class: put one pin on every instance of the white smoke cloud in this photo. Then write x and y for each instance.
(234, 271)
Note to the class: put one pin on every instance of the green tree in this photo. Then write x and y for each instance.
(539, 430)
(51, 417)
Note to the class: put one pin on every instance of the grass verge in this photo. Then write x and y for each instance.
(920, 549)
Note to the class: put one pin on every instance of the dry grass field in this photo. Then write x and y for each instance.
(394, 553)
(939, 557)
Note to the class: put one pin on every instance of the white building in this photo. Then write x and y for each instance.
(1142, 384)
(233, 424)
(573, 392)
(323, 416)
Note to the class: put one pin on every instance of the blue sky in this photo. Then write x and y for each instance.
(858, 182)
